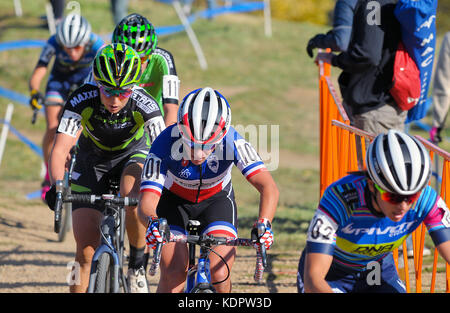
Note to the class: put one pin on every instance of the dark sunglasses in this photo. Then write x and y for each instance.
(394, 198)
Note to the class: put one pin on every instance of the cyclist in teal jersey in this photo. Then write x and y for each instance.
(159, 76)
(113, 122)
(364, 216)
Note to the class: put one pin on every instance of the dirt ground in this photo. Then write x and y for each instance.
(33, 261)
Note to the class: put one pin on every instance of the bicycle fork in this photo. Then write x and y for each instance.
(108, 231)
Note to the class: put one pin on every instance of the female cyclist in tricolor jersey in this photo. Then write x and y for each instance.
(187, 175)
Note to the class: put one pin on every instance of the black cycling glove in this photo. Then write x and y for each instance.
(50, 197)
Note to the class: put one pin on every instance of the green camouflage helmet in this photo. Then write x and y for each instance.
(117, 66)
(137, 32)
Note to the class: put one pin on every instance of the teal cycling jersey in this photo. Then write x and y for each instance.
(347, 226)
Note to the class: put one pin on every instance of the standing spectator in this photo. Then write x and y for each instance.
(367, 68)
(441, 90)
(338, 38)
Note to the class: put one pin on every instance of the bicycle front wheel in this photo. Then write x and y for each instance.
(103, 274)
(66, 221)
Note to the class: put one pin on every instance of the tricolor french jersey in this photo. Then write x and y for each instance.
(347, 226)
(167, 166)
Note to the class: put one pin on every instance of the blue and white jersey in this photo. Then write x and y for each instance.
(168, 166)
(63, 62)
(347, 226)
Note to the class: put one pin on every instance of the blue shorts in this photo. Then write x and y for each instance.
(61, 85)
(343, 280)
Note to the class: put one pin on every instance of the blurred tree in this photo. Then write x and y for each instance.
(314, 11)
(443, 17)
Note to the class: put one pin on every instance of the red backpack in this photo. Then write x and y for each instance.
(406, 80)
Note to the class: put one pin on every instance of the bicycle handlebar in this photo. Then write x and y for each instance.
(209, 240)
(98, 199)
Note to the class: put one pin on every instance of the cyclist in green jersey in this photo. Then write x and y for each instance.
(159, 76)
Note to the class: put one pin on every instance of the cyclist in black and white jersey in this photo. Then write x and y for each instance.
(114, 122)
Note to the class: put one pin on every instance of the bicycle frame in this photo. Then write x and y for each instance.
(199, 275)
(112, 237)
(112, 231)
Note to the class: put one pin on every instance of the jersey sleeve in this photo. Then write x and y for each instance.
(155, 167)
(321, 234)
(171, 82)
(245, 156)
(97, 43)
(71, 118)
(48, 51)
(437, 222)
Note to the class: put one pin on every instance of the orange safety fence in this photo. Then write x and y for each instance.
(339, 155)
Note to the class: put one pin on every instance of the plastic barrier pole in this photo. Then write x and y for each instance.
(5, 129)
(18, 8)
(267, 19)
(191, 35)
(445, 195)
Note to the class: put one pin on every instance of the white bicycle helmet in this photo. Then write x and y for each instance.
(398, 163)
(74, 30)
(204, 117)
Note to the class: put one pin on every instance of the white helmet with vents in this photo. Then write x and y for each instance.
(204, 117)
(398, 163)
(74, 30)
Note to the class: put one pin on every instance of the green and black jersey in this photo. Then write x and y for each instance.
(106, 133)
(160, 78)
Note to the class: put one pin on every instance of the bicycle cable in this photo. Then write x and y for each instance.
(224, 262)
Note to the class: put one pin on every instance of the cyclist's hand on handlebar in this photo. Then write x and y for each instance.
(267, 237)
(153, 235)
(50, 197)
(36, 100)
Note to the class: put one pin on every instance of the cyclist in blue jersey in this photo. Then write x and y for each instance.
(74, 47)
(187, 175)
(362, 217)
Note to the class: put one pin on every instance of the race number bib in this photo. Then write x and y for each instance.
(154, 127)
(321, 229)
(171, 85)
(446, 218)
(152, 168)
(70, 123)
(247, 154)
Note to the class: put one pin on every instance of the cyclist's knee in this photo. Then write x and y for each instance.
(84, 255)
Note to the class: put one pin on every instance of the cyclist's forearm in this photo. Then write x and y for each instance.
(170, 113)
(56, 166)
(269, 194)
(268, 204)
(444, 250)
(36, 78)
(317, 285)
(147, 206)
